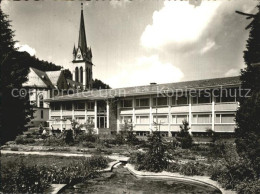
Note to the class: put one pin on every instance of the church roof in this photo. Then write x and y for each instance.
(53, 76)
(38, 78)
(82, 44)
(74, 84)
(152, 89)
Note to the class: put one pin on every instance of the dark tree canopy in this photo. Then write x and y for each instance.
(98, 84)
(67, 74)
(248, 115)
(16, 110)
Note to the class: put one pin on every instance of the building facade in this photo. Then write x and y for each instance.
(206, 104)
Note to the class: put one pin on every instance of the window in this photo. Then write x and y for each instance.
(55, 106)
(41, 114)
(178, 119)
(201, 118)
(67, 118)
(183, 100)
(142, 102)
(142, 119)
(67, 106)
(79, 106)
(91, 105)
(226, 95)
(41, 100)
(160, 118)
(80, 119)
(127, 119)
(225, 118)
(142, 133)
(204, 98)
(127, 103)
(160, 101)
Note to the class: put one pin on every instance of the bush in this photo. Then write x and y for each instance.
(184, 137)
(69, 137)
(88, 144)
(87, 137)
(251, 187)
(156, 158)
(137, 159)
(23, 140)
(230, 175)
(54, 141)
(119, 139)
(23, 179)
(98, 162)
(14, 148)
(193, 168)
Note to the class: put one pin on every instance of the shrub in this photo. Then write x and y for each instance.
(18, 178)
(14, 148)
(183, 136)
(193, 168)
(156, 158)
(230, 175)
(98, 162)
(87, 137)
(251, 187)
(119, 138)
(69, 137)
(88, 144)
(23, 140)
(137, 159)
(54, 141)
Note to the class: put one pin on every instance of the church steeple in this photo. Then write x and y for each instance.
(82, 44)
(82, 58)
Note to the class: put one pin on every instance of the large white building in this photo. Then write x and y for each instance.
(205, 104)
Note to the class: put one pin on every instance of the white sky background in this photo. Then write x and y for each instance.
(138, 42)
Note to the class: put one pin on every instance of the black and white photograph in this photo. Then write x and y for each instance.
(130, 96)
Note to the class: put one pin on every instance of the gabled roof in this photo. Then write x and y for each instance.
(151, 89)
(54, 76)
(38, 78)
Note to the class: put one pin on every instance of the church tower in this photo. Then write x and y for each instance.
(82, 58)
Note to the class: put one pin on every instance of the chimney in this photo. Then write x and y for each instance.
(153, 83)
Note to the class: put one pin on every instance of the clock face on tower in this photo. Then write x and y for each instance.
(78, 56)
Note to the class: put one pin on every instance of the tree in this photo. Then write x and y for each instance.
(15, 107)
(184, 136)
(156, 159)
(98, 84)
(67, 74)
(248, 115)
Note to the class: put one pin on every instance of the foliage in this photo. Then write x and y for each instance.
(67, 74)
(24, 140)
(183, 136)
(18, 178)
(247, 117)
(230, 175)
(69, 137)
(251, 187)
(190, 168)
(98, 84)
(137, 158)
(156, 158)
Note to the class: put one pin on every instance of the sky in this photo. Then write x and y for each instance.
(136, 42)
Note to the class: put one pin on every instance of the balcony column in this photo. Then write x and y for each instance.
(190, 113)
(61, 117)
(73, 110)
(95, 118)
(169, 116)
(107, 114)
(213, 115)
(118, 116)
(151, 113)
(133, 115)
(86, 111)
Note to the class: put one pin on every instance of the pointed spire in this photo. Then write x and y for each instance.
(74, 50)
(82, 44)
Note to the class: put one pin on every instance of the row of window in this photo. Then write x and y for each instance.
(79, 119)
(78, 106)
(177, 119)
(176, 101)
